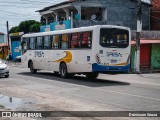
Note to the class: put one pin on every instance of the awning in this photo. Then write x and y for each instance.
(144, 41)
(3, 45)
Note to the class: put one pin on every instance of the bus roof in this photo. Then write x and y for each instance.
(88, 28)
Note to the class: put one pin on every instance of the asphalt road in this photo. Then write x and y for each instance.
(46, 91)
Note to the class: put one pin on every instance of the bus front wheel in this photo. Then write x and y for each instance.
(92, 75)
(32, 70)
(63, 70)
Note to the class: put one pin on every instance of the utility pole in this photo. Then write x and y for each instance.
(8, 38)
(138, 36)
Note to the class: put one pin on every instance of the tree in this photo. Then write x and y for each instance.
(27, 27)
(35, 27)
(14, 29)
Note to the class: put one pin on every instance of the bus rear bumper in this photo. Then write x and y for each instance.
(105, 69)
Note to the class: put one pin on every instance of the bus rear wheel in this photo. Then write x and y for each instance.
(32, 70)
(63, 70)
(92, 75)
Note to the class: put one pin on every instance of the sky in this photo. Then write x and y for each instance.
(15, 11)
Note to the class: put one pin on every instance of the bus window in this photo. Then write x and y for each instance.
(55, 42)
(75, 40)
(86, 40)
(47, 42)
(122, 39)
(114, 38)
(32, 43)
(39, 43)
(24, 45)
(65, 41)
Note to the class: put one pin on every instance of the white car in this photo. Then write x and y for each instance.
(4, 70)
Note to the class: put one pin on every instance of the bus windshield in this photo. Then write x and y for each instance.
(114, 38)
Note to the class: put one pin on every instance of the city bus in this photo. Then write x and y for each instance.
(87, 50)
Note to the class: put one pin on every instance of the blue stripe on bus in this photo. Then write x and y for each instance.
(101, 68)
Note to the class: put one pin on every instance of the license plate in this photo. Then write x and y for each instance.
(113, 61)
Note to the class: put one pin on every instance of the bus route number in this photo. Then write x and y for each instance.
(39, 54)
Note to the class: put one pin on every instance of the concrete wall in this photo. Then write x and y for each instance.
(155, 56)
(120, 12)
(155, 12)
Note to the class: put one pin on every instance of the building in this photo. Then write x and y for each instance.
(3, 51)
(155, 15)
(91, 12)
(2, 37)
(149, 54)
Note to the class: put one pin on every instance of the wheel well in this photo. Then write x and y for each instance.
(29, 63)
(61, 63)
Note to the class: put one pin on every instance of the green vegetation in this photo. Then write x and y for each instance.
(27, 27)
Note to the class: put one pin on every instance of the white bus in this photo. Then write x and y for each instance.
(86, 50)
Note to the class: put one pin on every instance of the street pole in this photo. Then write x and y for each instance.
(138, 36)
(8, 39)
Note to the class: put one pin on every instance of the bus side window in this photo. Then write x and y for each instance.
(39, 43)
(75, 40)
(55, 42)
(24, 45)
(32, 44)
(86, 40)
(65, 41)
(47, 42)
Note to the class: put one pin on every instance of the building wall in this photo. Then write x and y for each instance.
(155, 56)
(1, 38)
(120, 12)
(155, 15)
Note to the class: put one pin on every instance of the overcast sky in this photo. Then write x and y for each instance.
(16, 11)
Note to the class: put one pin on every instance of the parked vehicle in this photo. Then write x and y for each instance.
(4, 70)
(18, 58)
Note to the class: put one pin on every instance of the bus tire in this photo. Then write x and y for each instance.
(63, 70)
(92, 75)
(32, 70)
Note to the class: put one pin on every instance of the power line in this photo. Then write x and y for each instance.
(16, 13)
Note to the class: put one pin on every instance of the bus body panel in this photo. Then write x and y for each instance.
(77, 62)
(96, 59)
(107, 59)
